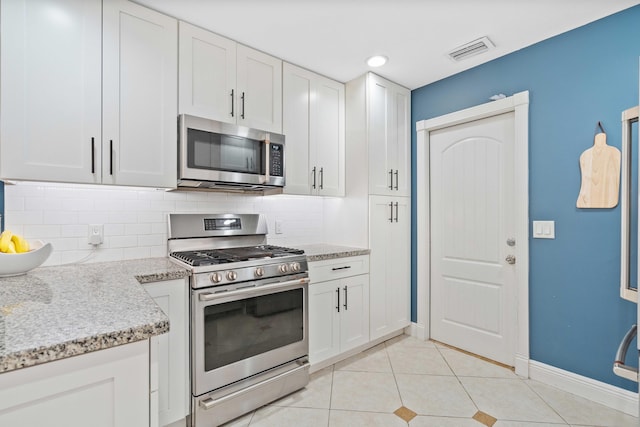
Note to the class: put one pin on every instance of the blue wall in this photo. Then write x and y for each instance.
(574, 80)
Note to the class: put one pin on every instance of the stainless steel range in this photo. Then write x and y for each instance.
(249, 319)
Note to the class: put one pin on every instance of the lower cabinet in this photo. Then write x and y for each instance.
(106, 388)
(170, 352)
(338, 307)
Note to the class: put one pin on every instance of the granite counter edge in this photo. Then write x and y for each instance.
(335, 255)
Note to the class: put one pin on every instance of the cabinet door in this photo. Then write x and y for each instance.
(399, 265)
(207, 74)
(172, 350)
(296, 113)
(50, 99)
(259, 85)
(139, 96)
(401, 157)
(354, 312)
(379, 134)
(380, 212)
(324, 326)
(328, 136)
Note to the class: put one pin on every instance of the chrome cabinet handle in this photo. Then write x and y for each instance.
(345, 298)
(391, 179)
(396, 204)
(511, 259)
(242, 114)
(314, 177)
(338, 306)
(391, 211)
(341, 268)
(321, 178)
(231, 102)
(396, 174)
(93, 154)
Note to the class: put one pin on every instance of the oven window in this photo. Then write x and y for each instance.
(208, 150)
(237, 330)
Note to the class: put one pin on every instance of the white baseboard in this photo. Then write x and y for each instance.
(597, 391)
(417, 331)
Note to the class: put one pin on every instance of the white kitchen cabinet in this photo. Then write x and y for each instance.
(106, 388)
(50, 94)
(140, 81)
(88, 93)
(389, 140)
(226, 81)
(314, 127)
(171, 350)
(390, 243)
(338, 307)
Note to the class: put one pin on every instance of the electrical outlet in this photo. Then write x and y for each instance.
(96, 234)
(278, 226)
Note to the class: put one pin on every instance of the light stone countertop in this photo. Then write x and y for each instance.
(321, 251)
(57, 312)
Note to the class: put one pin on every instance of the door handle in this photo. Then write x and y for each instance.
(345, 298)
(396, 204)
(242, 114)
(111, 157)
(232, 102)
(93, 155)
(321, 178)
(338, 306)
(391, 211)
(511, 259)
(391, 179)
(396, 174)
(314, 177)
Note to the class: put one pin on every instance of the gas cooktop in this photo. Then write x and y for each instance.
(199, 258)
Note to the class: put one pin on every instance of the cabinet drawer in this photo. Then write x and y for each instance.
(321, 271)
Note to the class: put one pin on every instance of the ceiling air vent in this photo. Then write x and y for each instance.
(472, 48)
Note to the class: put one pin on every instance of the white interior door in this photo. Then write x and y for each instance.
(473, 292)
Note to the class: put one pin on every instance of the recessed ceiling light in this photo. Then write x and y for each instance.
(377, 61)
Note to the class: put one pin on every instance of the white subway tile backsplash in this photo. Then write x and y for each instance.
(135, 219)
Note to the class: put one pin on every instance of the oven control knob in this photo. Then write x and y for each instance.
(283, 268)
(259, 272)
(232, 275)
(295, 267)
(215, 277)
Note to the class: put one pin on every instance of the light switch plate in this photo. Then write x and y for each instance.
(544, 229)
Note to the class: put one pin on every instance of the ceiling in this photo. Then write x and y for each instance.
(334, 37)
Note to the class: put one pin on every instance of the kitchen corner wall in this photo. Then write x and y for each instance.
(135, 219)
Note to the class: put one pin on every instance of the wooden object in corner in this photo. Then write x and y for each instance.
(600, 168)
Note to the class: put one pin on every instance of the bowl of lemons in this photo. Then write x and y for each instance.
(18, 256)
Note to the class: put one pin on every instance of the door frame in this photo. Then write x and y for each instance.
(519, 105)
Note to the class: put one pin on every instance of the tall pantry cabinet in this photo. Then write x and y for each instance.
(88, 92)
(378, 129)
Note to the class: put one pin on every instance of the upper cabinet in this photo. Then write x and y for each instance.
(226, 81)
(314, 127)
(50, 90)
(139, 96)
(388, 137)
(88, 95)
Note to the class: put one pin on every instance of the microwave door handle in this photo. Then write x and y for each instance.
(267, 146)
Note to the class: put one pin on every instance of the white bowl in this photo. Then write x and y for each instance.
(17, 264)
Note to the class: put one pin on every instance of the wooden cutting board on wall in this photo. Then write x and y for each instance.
(600, 168)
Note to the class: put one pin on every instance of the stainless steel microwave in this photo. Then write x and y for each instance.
(222, 156)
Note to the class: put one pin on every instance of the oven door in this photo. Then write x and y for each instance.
(239, 333)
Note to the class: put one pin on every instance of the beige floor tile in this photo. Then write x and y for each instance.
(577, 410)
(421, 361)
(464, 365)
(364, 419)
(242, 421)
(372, 360)
(364, 391)
(317, 394)
(278, 416)
(435, 395)
(509, 399)
(408, 341)
(423, 421)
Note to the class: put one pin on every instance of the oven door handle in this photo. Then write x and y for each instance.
(210, 296)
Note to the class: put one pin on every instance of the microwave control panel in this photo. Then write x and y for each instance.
(276, 159)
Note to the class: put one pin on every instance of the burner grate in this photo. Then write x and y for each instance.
(223, 256)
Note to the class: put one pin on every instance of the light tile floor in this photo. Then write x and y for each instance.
(436, 385)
